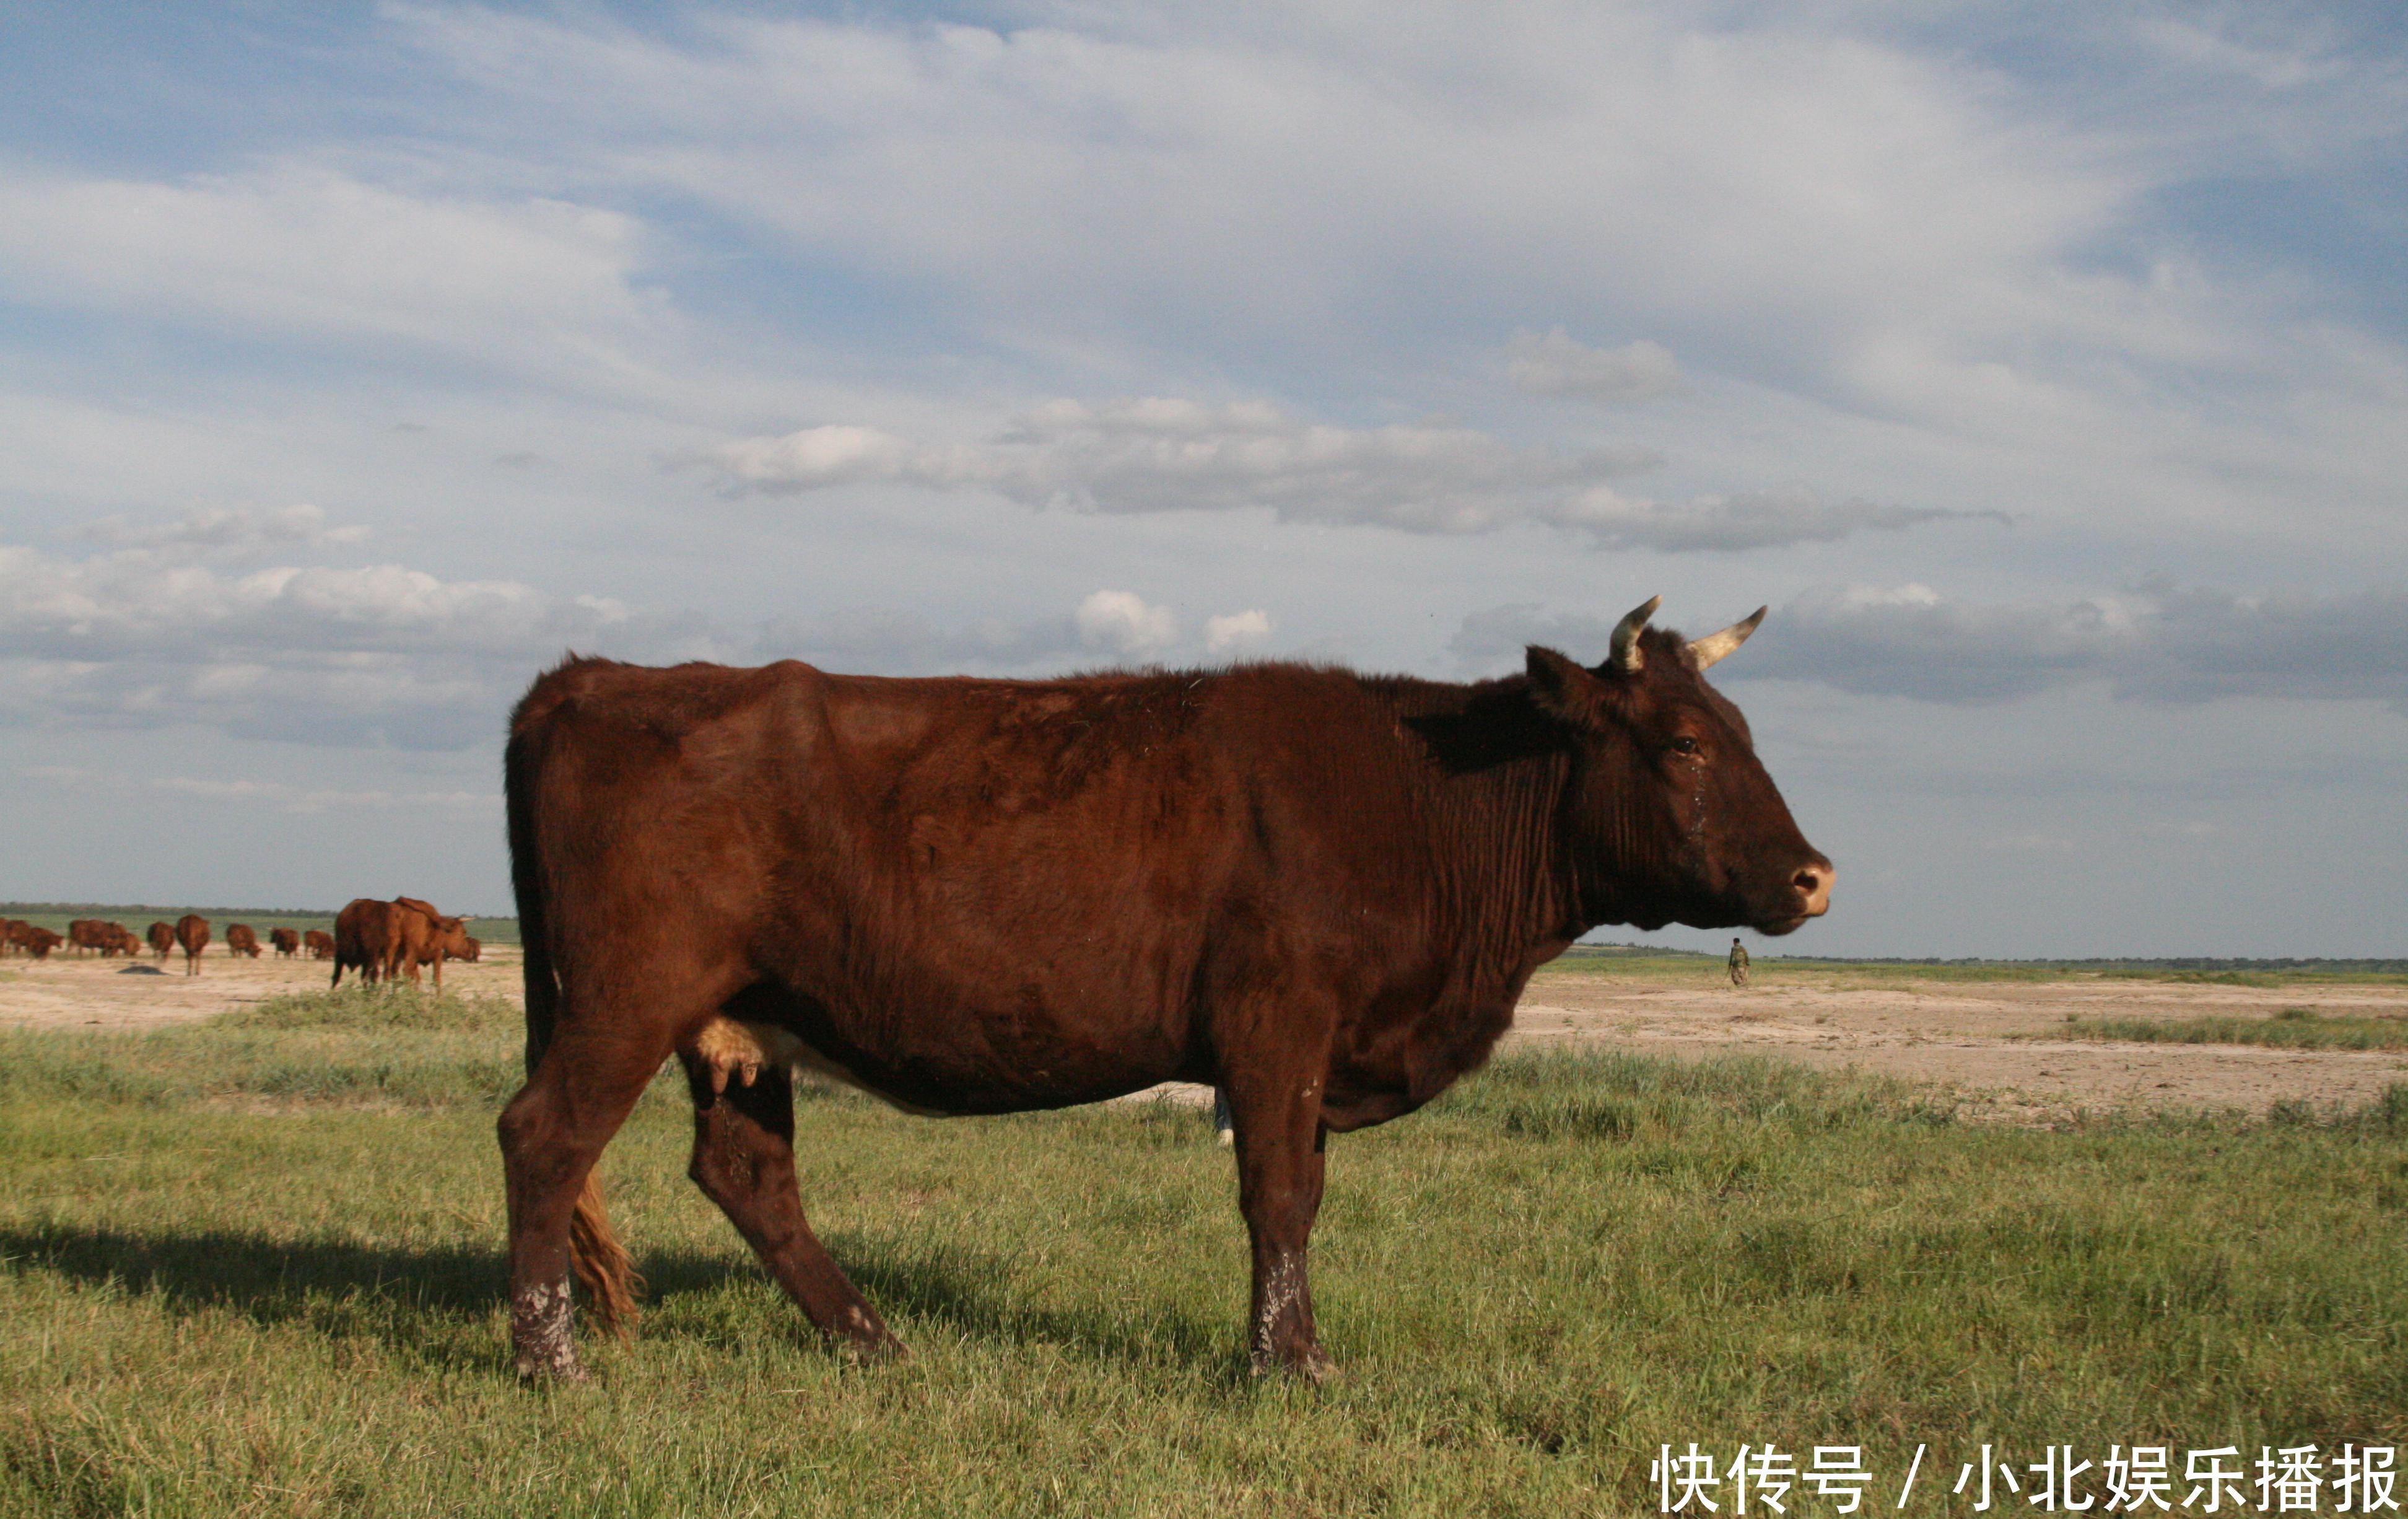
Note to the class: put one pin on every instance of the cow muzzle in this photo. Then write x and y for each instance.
(1810, 896)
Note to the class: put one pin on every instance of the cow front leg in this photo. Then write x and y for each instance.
(744, 1161)
(1280, 1173)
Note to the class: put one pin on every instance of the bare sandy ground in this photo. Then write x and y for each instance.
(1951, 1034)
(68, 992)
(1948, 1034)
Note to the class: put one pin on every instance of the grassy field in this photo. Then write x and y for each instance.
(252, 1267)
(2293, 1029)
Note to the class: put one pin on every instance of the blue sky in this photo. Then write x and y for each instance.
(2043, 370)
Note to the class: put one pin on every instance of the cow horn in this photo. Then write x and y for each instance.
(1626, 657)
(1717, 646)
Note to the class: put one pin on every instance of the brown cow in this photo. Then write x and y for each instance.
(40, 941)
(241, 941)
(192, 933)
(431, 940)
(88, 933)
(287, 942)
(13, 934)
(121, 941)
(320, 944)
(471, 950)
(162, 939)
(363, 939)
(1319, 891)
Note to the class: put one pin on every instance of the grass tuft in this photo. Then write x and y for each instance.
(2293, 1029)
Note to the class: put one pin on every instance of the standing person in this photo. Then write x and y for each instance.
(1738, 964)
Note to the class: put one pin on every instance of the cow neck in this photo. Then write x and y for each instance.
(1494, 797)
(1602, 878)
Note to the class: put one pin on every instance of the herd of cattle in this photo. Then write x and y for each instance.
(380, 939)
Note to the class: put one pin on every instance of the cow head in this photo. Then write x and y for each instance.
(1671, 815)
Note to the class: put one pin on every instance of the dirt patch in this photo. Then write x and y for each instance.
(1952, 1034)
(87, 992)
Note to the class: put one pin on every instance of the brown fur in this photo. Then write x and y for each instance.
(241, 939)
(162, 939)
(430, 941)
(287, 942)
(192, 933)
(1321, 891)
(320, 943)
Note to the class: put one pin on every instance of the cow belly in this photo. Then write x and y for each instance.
(957, 1062)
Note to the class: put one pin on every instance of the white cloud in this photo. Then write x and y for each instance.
(229, 528)
(2205, 48)
(1236, 632)
(379, 655)
(296, 249)
(1121, 623)
(1556, 364)
(1166, 454)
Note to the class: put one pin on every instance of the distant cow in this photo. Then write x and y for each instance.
(431, 940)
(472, 949)
(320, 944)
(162, 939)
(287, 942)
(13, 932)
(121, 941)
(39, 942)
(88, 933)
(1319, 891)
(363, 939)
(241, 941)
(192, 933)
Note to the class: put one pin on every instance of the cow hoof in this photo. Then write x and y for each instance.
(863, 1340)
(574, 1376)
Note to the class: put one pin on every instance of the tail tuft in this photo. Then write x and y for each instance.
(603, 1266)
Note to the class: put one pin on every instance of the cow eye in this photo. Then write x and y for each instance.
(1684, 745)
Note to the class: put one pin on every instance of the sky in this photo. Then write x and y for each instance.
(2044, 369)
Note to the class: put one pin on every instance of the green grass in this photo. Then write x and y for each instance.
(253, 1267)
(2293, 1029)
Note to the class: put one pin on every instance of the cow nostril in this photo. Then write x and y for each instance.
(1813, 882)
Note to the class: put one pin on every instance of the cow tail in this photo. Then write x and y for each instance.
(602, 1264)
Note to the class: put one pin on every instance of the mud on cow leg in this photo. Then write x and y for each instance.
(1280, 1173)
(744, 1161)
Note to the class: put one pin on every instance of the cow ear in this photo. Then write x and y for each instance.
(1564, 690)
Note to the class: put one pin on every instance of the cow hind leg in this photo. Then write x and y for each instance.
(551, 1133)
(744, 1161)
